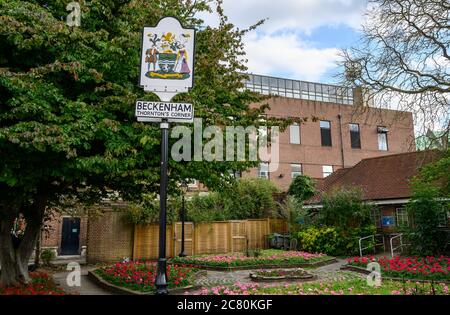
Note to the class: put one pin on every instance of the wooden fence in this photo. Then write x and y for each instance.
(206, 238)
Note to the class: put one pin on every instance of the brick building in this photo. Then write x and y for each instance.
(385, 183)
(340, 138)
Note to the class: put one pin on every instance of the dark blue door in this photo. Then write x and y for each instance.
(70, 236)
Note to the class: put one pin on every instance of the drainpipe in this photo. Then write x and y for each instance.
(342, 141)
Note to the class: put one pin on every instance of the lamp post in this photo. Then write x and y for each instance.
(184, 188)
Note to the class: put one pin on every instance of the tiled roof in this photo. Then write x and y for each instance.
(384, 177)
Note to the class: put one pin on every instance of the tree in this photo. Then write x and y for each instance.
(302, 188)
(67, 125)
(426, 210)
(345, 208)
(435, 175)
(403, 59)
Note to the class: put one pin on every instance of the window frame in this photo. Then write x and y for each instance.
(265, 172)
(296, 133)
(353, 144)
(329, 173)
(325, 132)
(401, 216)
(298, 173)
(386, 142)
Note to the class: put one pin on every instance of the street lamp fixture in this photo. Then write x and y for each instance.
(184, 188)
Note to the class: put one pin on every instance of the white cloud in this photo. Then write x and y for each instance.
(289, 56)
(303, 15)
(279, 47)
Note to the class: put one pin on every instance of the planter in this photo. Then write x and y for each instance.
(367, 272)
(262, 266)
(125, 291)
(297, 274)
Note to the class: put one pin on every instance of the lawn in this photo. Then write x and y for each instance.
(140, 276)
(355, 286)
(424, 268)
(266, 258)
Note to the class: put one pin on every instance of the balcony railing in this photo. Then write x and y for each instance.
(299, 89)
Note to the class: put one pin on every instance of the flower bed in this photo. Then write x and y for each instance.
(41, 284)
(424, 268)
(355, 286)
(281, 274)
(140, 276)
(268, 258)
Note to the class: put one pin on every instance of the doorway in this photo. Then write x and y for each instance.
(70, 236)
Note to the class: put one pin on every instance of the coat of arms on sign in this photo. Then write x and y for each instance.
(167, 57)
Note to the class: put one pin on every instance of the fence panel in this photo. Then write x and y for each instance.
(238, 236)
(146, 241)
(188, 238)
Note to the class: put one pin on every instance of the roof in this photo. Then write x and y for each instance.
(384, 177)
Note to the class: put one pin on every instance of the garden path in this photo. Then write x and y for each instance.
(324, 273)
(87, 286)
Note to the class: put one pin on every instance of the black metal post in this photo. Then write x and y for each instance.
(183, 218)
(161, 277)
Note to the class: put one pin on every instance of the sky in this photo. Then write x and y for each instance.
(301, 39)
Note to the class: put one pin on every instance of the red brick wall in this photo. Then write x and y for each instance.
(52, 236)
(313, 156)
(110, 237)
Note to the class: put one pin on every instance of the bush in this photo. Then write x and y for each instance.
(424, 235)
(345, 208)
(247, 199)
(318, 240)
(333, 240)
(302, 188)
(47, 256)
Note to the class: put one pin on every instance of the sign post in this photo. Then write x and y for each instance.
(167, 64)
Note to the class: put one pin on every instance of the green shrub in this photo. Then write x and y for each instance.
(345, 208)
(318, 240)
(302, 188)
(47, 256)
(332, 240)
(247, 199)
(426, 209)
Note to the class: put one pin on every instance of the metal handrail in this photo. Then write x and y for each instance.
(373, 240)
(400, 236)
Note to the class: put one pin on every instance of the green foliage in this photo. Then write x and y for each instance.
(333, 240)
(247, 199)
(147, 211)
(67, 124)
(427, 211)
(47, 256)
(302, 188)
(345, 208)
(318, 240)
(435, 174)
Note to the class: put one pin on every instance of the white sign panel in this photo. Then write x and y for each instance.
(156, 111)
(167, 57)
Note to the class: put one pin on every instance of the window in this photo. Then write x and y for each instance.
(376, 217)
(235, 174)
(325, 133)
(263, 171)
(355, 137)
(382, 139)
(327, 170)
(192, 183)
(294, 134)
(296, 170)
(402, 217)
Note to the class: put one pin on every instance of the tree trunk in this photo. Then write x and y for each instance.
(8, 272)
(37, 252)
(14, 260)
